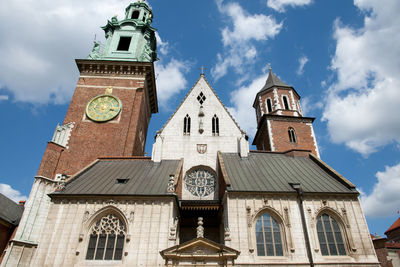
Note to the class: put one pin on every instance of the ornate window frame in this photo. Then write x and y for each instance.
(93, 220)
(344, 227)
(209, 196)
(284, 226)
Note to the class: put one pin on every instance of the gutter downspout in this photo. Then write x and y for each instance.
(297, 187)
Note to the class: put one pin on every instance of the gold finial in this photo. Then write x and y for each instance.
(202, 70)
(269, 66)
(109, 90)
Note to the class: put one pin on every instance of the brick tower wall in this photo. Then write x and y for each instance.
(280, 136)
(124, 135)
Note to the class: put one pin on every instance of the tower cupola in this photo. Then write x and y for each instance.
(131, 39)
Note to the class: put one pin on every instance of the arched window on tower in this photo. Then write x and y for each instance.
(269, 105)
(135, 14)
(268, 236)
(285, 102)
(186, 125)
(292, 135)
(215, 125)
(107, 238)
(330, 236)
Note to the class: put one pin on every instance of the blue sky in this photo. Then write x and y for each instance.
(342, 57)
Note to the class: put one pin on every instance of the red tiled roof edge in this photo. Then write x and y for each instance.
(394, 226)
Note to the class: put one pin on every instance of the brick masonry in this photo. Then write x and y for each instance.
(122, 136)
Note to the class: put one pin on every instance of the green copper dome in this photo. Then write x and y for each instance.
(131, 39)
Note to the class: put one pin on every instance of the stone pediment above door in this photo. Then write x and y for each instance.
(199, 251)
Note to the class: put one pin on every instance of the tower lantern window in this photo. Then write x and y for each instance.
(124, 43)
(144, 16)
(135, 14)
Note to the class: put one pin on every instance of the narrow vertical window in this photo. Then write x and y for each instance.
(285, 102)
(292, 135)
(329, 236)
(269, 105)
(268, 236)
(186, 125)
(215, 125)
(107, 238)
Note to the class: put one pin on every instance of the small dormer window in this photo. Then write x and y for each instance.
(269, 105)
(135, 14)
(285, 102)
(124, 43)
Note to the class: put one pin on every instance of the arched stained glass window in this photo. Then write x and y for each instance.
(215, 125)
(292, 135)
(186, 125)
(107, 238)
(268, 236)
(329, 236)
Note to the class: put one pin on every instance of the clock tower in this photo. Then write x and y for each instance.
(114, 98)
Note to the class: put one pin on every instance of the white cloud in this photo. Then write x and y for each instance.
(3, 97)
(302, 62)
(361, 105)
(170, 79)
(384, 199)
(161, 46)
(308, 104)
(11, 193)
(242, 99)
(238, 40)
(279, 5)
(38, 48)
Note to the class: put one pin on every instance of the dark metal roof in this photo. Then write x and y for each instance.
(273, 80)
(10, 211)
(145, 178)
(272, 172)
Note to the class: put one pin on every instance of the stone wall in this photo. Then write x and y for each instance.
(148, 224)
(244, 209)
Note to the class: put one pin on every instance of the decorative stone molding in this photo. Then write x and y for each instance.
(227, 234)
(171, 184)
(289, 227)
(173, 229)
(200, 228)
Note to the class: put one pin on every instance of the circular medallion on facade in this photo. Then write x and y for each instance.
(103, 108)
(200, 182)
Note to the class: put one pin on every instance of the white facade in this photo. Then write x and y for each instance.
(172, 143)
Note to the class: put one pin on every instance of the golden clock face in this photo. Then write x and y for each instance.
(103, 108)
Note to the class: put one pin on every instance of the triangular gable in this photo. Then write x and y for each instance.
(199, 248)
(188, 94)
